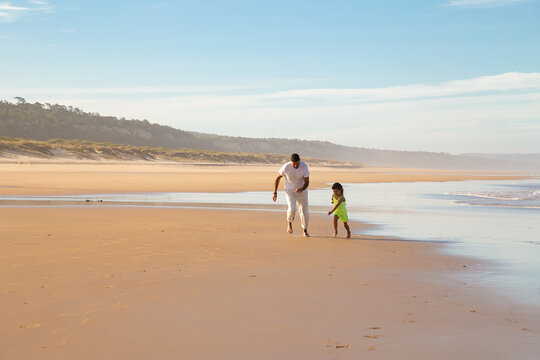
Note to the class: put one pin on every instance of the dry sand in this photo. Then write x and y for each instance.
(46, 179)
(148, 283)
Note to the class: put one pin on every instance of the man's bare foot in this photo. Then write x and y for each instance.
(348, 235)
(335, 233)
(289, 228)
(306, 233)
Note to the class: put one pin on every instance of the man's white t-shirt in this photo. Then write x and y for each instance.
(294, 178)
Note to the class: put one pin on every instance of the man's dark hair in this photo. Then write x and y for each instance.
(295, 157)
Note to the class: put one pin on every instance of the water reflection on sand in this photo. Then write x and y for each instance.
(421, 211)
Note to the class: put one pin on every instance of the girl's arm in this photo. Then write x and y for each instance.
(341, 199)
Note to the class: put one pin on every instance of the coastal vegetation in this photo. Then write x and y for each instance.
(88, 150)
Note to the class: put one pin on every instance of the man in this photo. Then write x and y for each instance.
(296, 175)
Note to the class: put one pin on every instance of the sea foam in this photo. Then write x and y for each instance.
(525, 198)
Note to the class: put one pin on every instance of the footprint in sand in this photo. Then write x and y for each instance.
(371, 348)
(375, 328)
(372, 336)
(29, 326)
(67, 314)
(119, 306)
(336, 345)
(410, 321)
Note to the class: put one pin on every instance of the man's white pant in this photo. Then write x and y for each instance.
(298, 201)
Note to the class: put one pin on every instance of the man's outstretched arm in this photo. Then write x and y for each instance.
(276, 184)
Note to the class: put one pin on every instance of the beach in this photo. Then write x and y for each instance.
(46, 178)
(175, 283)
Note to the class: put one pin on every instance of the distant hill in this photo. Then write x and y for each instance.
(49, 121)
(526, 159)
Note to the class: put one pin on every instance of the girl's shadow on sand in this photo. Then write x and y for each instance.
(356, 238)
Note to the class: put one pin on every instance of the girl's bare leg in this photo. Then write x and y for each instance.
(348, 229)
(335, 224)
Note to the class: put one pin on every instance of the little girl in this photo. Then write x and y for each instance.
(339, 209)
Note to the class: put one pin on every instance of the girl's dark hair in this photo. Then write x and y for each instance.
(338, 186)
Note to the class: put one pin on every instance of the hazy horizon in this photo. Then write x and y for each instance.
(438, 76)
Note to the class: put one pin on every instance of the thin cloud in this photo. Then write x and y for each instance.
(10, 11)
(482, 3)
(483, 114)
(134, 90)
(485, 84)
(253, 97)
(158, 6)
(250, 96)
(64, 31)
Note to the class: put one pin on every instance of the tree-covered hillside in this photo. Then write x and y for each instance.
(48, 121)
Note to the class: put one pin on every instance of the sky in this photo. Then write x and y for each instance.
(457, 76)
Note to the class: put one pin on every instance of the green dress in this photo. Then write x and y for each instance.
(341, 210)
